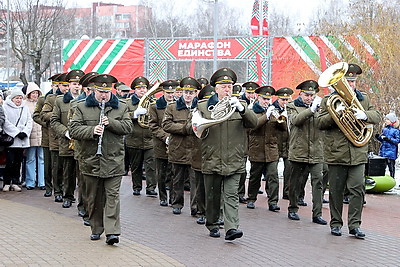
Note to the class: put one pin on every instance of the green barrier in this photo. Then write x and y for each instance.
(382, 184)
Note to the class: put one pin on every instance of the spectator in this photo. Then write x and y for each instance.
(34, 154)
(390, 138)
(18, 124)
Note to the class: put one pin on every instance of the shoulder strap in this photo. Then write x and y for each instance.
(20, 114)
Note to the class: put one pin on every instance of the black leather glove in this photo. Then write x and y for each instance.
(385, 138)
(21, 135)
(377, 136)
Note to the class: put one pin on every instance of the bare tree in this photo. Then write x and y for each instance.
(34, 24)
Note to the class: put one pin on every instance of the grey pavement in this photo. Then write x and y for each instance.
(37, 231)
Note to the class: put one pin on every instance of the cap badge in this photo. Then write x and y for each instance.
(104, 85)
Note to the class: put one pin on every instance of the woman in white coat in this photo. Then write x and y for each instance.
(18, 124)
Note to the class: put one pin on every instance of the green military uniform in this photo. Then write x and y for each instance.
(346, 164)
(305, 151)
(263, 152)
(163, 167)
(59, 122)
(45, 145)
(56, 163)
(283, 138)
(177, 123)
(139, 146)
(223, 152)
(102, 173)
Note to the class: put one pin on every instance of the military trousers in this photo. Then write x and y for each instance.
(48, 180)
(103, 203)
(352, 177)
(300, 170)
(272, 183)
(286, 176)
(219, 187)
(140, 158)
(82, 198)
(69, 177)
(242, 182)
(179, 174)
(200, 194)
(57, 173)
(162, 166)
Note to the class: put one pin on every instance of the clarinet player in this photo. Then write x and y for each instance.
(102, 171)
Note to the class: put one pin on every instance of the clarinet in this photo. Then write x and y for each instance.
(102, 105)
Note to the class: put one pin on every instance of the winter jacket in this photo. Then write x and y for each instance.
(223, 149)
(263, 139)
(85, 118)
(177, 123)
(305, 138)
(156, 112)
(139, 138)
(338, 149)
(12, 114)
(389, 148)
(36, 118)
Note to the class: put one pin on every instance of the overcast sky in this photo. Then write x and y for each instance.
(298, 8)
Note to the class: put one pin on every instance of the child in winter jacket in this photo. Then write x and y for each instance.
(390, 138)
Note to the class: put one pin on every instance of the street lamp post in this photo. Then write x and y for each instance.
(8, 45)
(215, 66)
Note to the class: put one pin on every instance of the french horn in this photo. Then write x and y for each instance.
(220, 112)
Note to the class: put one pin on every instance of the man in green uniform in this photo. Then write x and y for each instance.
(223, 151)
(346, 162)
(263, 150)
(305, 149)
(177, 123)
(161, 138)
(284, 96)
(48, 180)
(45, 115)
(59, 122)
(139, 142)
(99, 123)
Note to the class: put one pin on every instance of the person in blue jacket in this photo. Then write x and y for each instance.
(390, 138)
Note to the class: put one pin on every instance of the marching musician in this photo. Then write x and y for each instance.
(87, 89)
(263, 149)
(223, 152)
(204, 94)
(102, 173)
(346, 162)
(284, 95)
(45, 115)
(202, 81)
(305, 149)
(48, 180)
(139, 142)
(161, 138)
(59, 122)
(178, 124)
(249, 95)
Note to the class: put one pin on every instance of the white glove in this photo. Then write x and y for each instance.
(340, 108)
(139, 111)
(270, 109)
(167, 141)
(284, 113)
(359, 114)
(315, 104)
(236, 103)
(67, 135)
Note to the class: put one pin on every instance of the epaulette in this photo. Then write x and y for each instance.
(59, 96)
(122, 100)
(170, 103)
(81, 100)
(203, 100)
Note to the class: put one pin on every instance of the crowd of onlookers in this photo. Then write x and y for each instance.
(23, 160)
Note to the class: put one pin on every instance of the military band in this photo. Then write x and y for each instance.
(204, 133)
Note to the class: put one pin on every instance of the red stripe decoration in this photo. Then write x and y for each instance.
(259, 69)
(255, 19)
(98, 56)
(330, 57)
(192, 67)
(360, 49)
(74, 55)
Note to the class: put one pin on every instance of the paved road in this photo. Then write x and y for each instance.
(39, 232)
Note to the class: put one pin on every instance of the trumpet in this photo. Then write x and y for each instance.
(280, 118)
(102, 106)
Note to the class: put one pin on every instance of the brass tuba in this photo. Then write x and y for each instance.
(220, 112)
(358, 132)
(145, 102)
